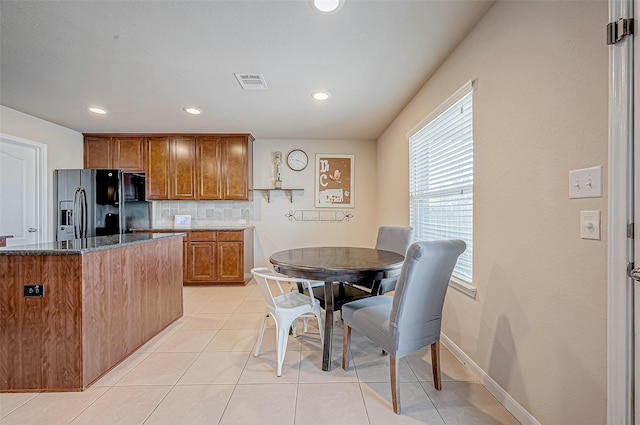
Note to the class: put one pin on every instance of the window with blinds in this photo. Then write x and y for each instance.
(441, 177)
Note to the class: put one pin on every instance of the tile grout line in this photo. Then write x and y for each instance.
(185, 370)
(171, 387)
(19, 406)
(364, 402)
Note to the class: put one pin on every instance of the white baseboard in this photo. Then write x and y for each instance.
(519, 412)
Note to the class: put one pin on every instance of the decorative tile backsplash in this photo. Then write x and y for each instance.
(203, 213)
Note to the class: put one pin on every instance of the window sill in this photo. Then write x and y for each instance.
(464, 287)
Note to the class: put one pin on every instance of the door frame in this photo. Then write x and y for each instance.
(40, 149)
(620, 315)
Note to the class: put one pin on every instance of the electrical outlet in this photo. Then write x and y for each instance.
(34, 291)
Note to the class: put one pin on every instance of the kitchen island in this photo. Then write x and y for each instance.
(72, 310)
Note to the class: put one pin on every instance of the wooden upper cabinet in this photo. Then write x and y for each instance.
(117, 152)
(183, 167)
(179, 166)
(209, 168)
(128, 153)
(236, 157)
(171, 167)
(97, 152)
(158, 154)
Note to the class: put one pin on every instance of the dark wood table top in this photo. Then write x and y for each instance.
(349, 264)
(336, 264)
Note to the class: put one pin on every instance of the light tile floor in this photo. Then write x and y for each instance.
(201, 370)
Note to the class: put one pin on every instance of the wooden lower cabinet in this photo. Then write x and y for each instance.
(201, 257)
(216, 256)
(229, 259)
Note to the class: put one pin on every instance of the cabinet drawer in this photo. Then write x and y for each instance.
(202, 236)
(230, 236)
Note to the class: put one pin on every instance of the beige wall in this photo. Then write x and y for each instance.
(64, 146)
(538, 324)
(274, 231)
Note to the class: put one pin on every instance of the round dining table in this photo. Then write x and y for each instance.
(337, 264)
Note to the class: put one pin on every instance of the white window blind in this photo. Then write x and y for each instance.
(441, 178)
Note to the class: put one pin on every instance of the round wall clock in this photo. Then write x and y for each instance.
(297, 160)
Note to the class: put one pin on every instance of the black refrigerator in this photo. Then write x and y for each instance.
(92, 203)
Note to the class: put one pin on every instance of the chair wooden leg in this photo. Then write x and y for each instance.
(346, 342)
(435, 365)
(394, 369)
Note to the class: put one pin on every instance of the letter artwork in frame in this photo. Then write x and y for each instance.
(334, 180)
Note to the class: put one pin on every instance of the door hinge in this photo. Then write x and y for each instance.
(630, 231)
(618, 29)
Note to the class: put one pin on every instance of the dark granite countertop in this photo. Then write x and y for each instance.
(84, 246)
(193, 228)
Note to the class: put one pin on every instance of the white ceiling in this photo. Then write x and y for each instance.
(145, 60)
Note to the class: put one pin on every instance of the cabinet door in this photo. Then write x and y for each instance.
(128, 153)
(98, 152)
(183, 167)
(209, 173)
(235, 165)
(157, 168)
(201, 257)
(230, 266)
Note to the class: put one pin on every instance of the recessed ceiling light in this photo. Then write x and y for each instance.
(320, 95)
(326, 6)
(97, 110)
(192, 111)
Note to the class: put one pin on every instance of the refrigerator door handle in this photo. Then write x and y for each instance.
(85, 215)
(76, 214)
(80, 213)
(122, 220)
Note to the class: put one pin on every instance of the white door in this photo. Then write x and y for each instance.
(21, 191)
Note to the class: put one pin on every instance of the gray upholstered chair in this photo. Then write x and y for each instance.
(411, 319)
(390, 238)
(395, 239)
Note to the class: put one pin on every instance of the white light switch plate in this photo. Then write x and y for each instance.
(590, 225)
(585, 183)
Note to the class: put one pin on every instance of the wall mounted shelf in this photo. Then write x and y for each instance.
(288, 192)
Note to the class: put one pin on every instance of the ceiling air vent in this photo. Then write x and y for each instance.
(252, 81)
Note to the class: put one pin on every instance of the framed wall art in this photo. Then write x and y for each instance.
(334, 180)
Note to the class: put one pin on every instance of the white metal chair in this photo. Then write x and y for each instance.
(285, 308)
